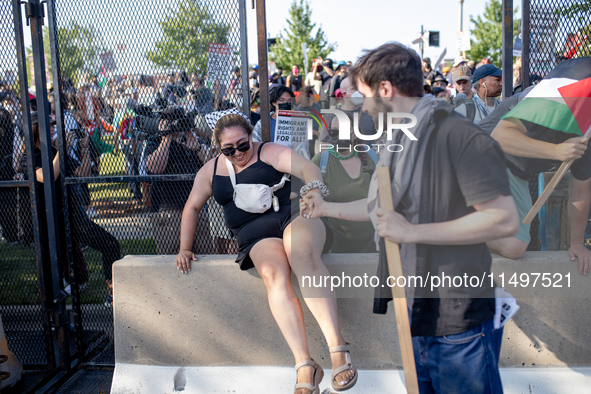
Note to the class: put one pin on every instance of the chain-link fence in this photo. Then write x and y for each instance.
(21, 309)
(131, 85)
(137, 79)
(558, 30)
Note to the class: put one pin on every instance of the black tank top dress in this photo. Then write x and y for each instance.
(249, 228)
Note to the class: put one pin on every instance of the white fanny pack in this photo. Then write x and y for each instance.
(255, 197)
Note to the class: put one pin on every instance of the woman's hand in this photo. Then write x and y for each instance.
(311, 206)
(183, 260)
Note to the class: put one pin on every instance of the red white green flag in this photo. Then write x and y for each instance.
(559, 102)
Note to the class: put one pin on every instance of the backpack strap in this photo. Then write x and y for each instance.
(324, 162)
(231, 172)
(273, 188)
(374, 156)
(470, 109)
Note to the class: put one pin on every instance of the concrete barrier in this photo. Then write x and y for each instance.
(218, 315)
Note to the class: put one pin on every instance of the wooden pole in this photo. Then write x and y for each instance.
(547, 192)
(550, 188)
(398, 293)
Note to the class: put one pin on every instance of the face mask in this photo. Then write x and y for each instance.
(342, 144)
(357, 98)
(296, 72)
(319, 68)
(284, 106)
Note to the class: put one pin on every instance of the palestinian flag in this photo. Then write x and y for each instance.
(562, 100)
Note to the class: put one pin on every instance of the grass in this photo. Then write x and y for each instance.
(109, 192)
(111, 165)
(18, 272)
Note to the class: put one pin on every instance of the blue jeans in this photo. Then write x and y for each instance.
(461, 363)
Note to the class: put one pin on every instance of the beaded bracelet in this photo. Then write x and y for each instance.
(314, 185)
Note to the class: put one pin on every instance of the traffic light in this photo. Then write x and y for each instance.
(433, 38)
(271, 41)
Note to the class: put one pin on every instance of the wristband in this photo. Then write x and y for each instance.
(314, 185)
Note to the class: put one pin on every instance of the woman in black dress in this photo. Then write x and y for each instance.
(274, 242)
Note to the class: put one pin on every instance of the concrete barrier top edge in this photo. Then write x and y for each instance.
(336, 258)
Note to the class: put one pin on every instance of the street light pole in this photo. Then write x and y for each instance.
(422, 43)
(461, 21)
(461, 15)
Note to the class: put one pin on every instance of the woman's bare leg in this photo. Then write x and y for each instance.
(268, 256)
(304, 240)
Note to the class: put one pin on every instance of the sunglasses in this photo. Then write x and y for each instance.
(243, 147)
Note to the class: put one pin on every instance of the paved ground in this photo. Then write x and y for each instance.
(274, 380)
(136, 226)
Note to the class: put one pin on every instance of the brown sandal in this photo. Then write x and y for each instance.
(343, 368)
(317, 377)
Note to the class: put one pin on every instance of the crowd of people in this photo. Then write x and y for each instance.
(103, 138)
(471, 153)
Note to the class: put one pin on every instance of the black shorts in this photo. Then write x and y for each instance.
(270, 224)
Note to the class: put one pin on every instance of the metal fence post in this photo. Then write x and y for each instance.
(525, 44)
(44, 274)
(62, 143)
(244, 58)
(35, 15)
(263, 71)
(507, 48)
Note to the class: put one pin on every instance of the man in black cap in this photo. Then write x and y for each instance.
(487, 80)
(439, 81)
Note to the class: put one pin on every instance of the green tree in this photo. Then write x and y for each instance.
(79, 48)
(488, 34)
(187, 32)
(46, 50)
(288, 49)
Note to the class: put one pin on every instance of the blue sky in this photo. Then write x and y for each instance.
(365, 24)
